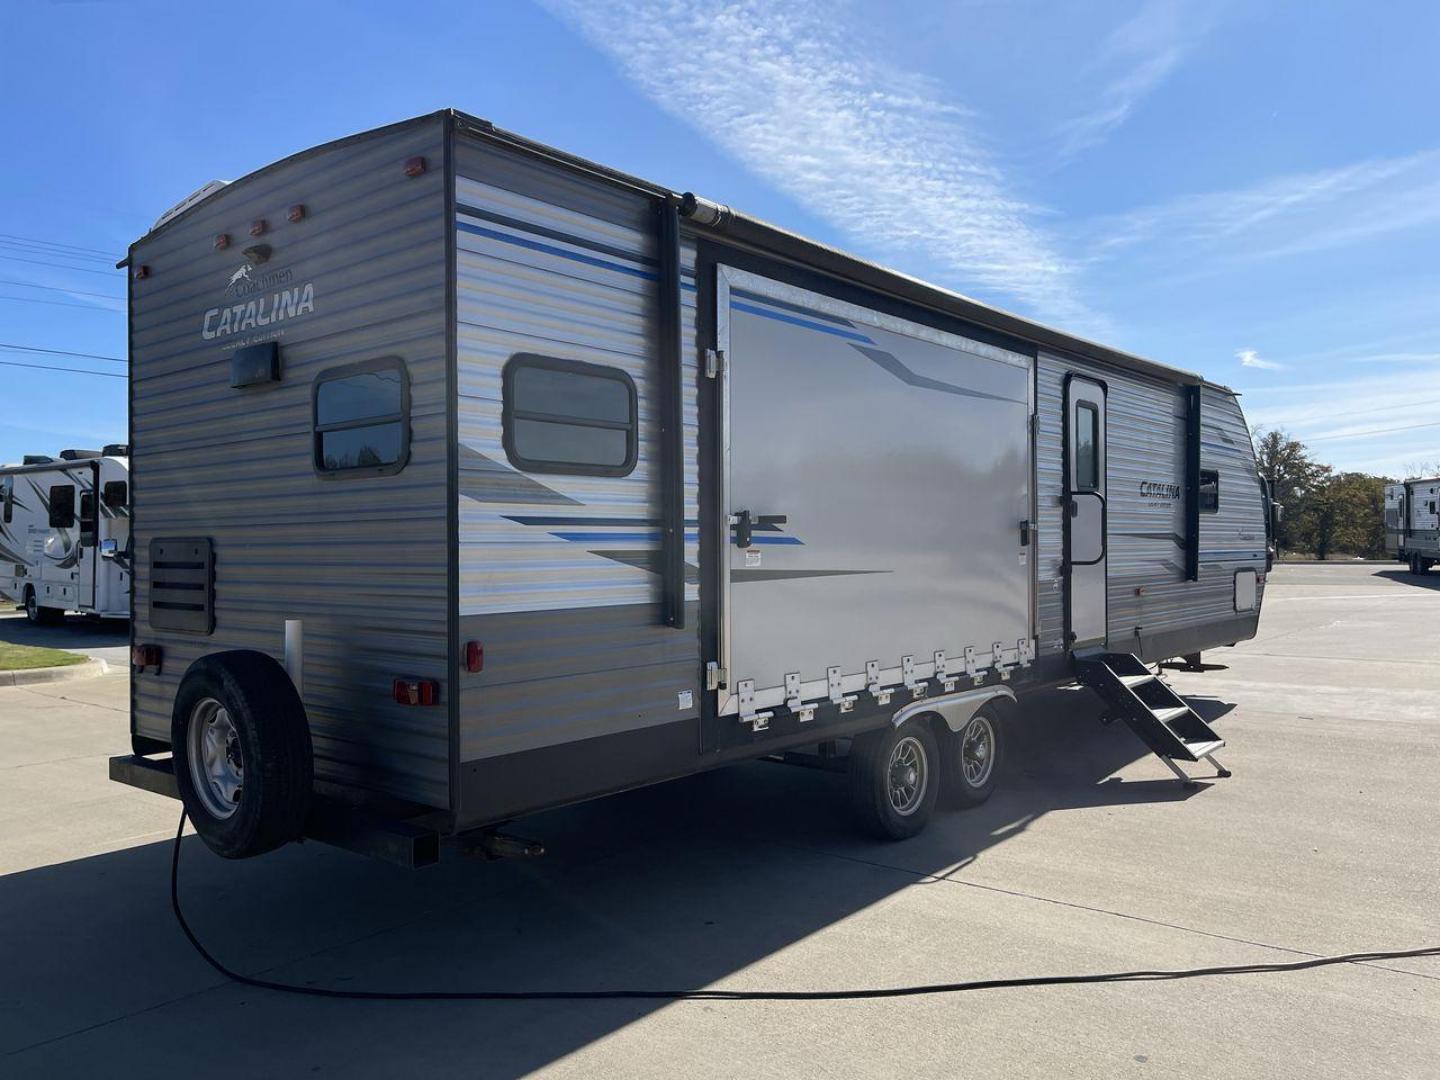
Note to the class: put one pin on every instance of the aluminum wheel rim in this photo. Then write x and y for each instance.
(217, 766)
(907, 776)
(977, 751)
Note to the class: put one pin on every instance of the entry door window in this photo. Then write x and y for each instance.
(1087, 447)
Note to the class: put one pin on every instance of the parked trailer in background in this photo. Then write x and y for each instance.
(65, 534)
(472, 478)
(1412, 523)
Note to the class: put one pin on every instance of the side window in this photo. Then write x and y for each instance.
(116, 494)
(1209, 491)
(362, 418)
(62, 506)
(1087, 447)
(564, 416)
(7, 494)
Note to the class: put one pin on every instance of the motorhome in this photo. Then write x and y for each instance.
(1412, 523)
(65, 534)
(563, 482)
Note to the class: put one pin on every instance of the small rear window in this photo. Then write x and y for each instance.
(565, 416)
(362, 418)
(1209, 491)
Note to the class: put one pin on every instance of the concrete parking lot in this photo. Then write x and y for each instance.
(1325, 840)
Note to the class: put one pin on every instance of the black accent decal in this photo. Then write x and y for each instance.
(781, 575)
(893, 365)
(648, 560)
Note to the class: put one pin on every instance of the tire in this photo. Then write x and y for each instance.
(894, 811)
(40, 616)
(251, 793)
(971, 759)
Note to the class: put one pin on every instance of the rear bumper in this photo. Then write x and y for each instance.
(404, 843)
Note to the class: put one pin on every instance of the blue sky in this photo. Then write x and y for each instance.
(1250, 190)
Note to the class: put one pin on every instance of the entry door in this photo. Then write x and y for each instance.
(1085, 512)
(877, 484)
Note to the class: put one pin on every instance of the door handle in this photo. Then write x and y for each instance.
(1025, 533)
(744, 525)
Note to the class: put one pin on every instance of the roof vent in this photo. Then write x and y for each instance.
(200, 194)
(116, 449)
(38, 459)
(78, 455)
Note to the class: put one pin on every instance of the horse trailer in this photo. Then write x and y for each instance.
(1412, 523)
(472, 478)
(65, 534)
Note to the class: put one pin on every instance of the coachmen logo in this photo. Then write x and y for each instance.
(258, 298)
(1151, 489)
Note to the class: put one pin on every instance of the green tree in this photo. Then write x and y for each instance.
(1293, 476)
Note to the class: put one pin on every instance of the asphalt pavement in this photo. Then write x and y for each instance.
(1092, 858)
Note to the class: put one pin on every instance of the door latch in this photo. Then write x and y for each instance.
(1025, 527)
(744, 525)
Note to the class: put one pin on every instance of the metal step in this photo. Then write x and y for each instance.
(1160, 717)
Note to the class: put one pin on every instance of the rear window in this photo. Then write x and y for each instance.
(362, 418)
(565, 416)
(1209, 491)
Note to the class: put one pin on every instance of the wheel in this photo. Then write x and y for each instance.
(40, 616)
(242, 754)
(1422, 564)
(1414, 564)
(894, 780)
(971, 758)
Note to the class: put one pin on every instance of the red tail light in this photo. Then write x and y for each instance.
(417, 691)
(474, 656)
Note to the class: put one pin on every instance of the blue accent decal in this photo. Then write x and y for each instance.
(551, 249)
(808, 324)
(629, 538)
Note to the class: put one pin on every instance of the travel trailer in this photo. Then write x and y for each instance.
(65, 534)
(1412, 523)
(473, 478)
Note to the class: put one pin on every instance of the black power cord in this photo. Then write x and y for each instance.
(751, 995)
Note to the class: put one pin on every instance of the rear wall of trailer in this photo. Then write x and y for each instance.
(584, 688)
(360, 558)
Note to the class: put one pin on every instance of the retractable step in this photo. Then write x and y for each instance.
(1165, 723)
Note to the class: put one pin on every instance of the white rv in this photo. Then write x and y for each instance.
(65, 534)
(473, 478)
(1412, 523)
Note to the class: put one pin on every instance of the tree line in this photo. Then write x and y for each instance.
(1326, 512)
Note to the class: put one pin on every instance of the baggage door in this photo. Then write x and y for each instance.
(877, 488)
(1086, 519)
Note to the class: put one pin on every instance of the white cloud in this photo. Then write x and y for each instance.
(1147, 48)
(1287, 215)
(1252, 359)
(791, 92)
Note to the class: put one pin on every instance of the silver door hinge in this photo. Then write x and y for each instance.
(757, 720)
(714, 362)
(714, 676)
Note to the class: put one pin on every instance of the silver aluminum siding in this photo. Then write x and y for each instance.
(363, 561)
(563, 265)
(1147, 592)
